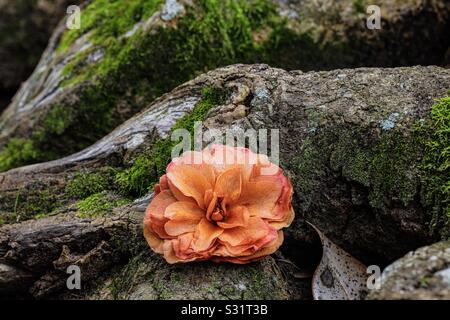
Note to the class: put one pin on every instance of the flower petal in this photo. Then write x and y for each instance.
(223, 157)
(169, 253)
(211, 201)
(237, 216)
(256, 229)
(178, 194)
(153, 240)
(183, 217)
(260, 196)
(162, 185)
(182, 210)
(283, 213)
(205, 235)
(265, 251)
(229, 184)
(190, 181)
(154, 217)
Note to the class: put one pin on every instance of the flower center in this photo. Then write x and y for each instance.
(217, 215)
(218, 212)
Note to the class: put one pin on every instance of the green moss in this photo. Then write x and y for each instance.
(57, 119)
(359, 6)
(309, 166)
(147, 168)
(211, 33)
(394, 167)
(106, 19)
(123, 283)
(425, 281)
(137, 68)
(17, 152)
(386, 166)
(435, 166)
(33, 204)
(85, 184)
(71, 128)
(40, 215)
(98, 205)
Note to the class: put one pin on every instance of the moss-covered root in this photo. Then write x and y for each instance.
(399, 169)
(136, 67)
(435, 167)
(148, 167)
(148, 277)
(96, 192)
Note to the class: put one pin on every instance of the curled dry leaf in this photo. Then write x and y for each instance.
(339, 276)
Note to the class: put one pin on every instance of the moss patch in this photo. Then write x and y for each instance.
(85, 184)
(18, 152)
(359, 6)
(34, 204)
(106, 19)
(395, 167)
(386, 166)
(435, 166)
(99, 204)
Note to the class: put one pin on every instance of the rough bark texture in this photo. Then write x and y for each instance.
(423, 274)
(148, 277)
(345, 142)
(25, 28)
(35, 255)
(91, 81)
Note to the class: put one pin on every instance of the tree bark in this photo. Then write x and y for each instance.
(327, 122)
(318, 35)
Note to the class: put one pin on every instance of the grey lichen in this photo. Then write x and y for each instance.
(171, 9)
(389, 123)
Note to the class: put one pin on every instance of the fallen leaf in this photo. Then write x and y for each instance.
(339, 276)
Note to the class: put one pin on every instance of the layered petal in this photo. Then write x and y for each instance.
(256, 229)
(162, 185)
(190, 181)
(270, 248)
(237, 216)
(260, 196)
(154, 217)
(229, 184)
(155, 242)
(223, 157)
(183, 217)
(205, 235)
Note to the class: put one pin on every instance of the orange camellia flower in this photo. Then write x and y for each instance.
(221, 204)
